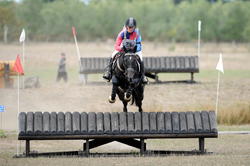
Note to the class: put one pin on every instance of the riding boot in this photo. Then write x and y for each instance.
(108, 73)
(144, 80)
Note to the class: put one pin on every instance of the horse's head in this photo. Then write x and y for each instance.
(129, 46)
(130, 59)
(132, 67)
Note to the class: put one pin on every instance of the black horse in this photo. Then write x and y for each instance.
(127, 77)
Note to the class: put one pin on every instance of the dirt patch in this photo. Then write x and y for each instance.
(227, 150)
(42, 60)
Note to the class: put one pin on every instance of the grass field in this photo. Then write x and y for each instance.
(227, 150)
(2, 134)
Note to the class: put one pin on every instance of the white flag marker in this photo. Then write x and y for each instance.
(22, 36)
(220, 68)
(199, 37)
(199, 25)
(22, 40)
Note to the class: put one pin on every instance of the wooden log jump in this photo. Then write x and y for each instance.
(131, 128)
(153, 66)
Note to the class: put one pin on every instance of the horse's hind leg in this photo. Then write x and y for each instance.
(125, 106)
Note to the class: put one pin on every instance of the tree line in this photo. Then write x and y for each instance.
(158, 20)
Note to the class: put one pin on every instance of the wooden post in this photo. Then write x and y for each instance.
(156, 78)
(5, 33)
(83, 78)
(143, 146)
(202, 144)
(27, 147)
(86, 147)
(192, 77)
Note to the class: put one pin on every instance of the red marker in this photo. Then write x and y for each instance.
(74, 31)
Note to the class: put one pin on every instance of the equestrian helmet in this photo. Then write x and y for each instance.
(130, 22)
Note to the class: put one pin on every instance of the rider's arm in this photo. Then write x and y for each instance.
(118, 42)
(138, 42)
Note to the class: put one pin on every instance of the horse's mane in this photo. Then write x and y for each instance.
(119, 61)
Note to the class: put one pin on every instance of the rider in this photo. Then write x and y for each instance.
(129, 32)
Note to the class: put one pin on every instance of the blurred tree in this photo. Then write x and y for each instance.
(8, 20)
(160, 20)
(29, 14)
(212, 1)
(214, 23)
(235, 22)
(48, 0)
(177, 1)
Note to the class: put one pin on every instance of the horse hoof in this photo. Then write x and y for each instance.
(110, 100)
(127, 99)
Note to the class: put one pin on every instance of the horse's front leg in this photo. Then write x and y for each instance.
(128, 95)
(125, 106)
(140, 108)
(139, 97)
(113, 93)
(138, 102)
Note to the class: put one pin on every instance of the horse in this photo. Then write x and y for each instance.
(127, 77)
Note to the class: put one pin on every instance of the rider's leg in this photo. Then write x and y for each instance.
(144, 80)
(108, 73)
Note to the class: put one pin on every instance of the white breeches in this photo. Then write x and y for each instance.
(138, 53)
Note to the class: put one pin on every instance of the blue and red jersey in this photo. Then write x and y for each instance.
(124, 34)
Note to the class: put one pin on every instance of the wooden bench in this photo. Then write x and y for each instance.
(101, 128)
(153, 66)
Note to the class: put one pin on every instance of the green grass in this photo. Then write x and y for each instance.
(2, 134)
(234, 127)
(49, 73)
(206, 75)
(228, 74)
